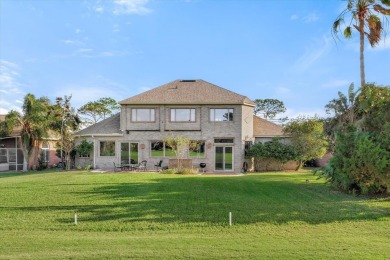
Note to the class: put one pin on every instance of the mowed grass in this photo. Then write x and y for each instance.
(149, 215)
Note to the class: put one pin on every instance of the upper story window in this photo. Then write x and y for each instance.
(143, 114)
(221, 114)
(182, 115)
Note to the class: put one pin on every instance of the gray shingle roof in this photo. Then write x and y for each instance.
(185, 92)
(108, 126)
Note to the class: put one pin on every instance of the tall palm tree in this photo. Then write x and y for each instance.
(365, 18)
(32, 122)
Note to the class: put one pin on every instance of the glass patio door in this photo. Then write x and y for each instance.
(129, 153)
(224, 158)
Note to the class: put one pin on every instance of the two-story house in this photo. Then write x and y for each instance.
(218, 122)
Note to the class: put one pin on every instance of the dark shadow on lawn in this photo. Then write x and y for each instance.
(196, 200)
(21, 174)
(251, 200)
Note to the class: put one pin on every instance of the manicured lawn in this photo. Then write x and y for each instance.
(142, 215)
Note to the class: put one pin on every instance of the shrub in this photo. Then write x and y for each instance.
(359, 165)
(272, 152)
(180, 171)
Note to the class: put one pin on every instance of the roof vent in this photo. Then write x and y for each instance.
(188, 80)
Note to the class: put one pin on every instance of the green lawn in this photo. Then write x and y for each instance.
(141, 215)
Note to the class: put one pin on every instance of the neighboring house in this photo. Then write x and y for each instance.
(264, 131)
(219, 123)
(11, 154)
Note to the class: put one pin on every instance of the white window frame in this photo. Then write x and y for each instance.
(192, 115)
(212, 114)
(152, 114)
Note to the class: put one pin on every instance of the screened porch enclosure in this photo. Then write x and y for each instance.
(11, 159)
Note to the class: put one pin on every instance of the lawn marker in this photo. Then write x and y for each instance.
(230, 218)
(75, 218)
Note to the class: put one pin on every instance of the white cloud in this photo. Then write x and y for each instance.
(6, 106)
(83, 50)
(131, 7)
(295, 113)
(294, 17)
(310, 18)
(336, 83)
(88, 53)
(77, 31)
(94, 89)
(99, 9)
(315, 52)
(9, 78)
(11, 90)
(73, 42)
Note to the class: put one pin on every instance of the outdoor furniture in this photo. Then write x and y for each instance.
(203, 166)
(117, 167)
(141, 166)
(158, 166)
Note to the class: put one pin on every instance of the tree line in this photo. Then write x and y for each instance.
(40, 119)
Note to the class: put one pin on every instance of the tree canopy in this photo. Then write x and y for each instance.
(269, 108)
(95, 111)
(307, 137)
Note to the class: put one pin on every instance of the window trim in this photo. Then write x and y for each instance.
(145, 108)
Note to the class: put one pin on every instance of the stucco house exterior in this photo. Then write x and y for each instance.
(218, 122)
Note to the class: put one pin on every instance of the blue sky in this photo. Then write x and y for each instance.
(119, 48)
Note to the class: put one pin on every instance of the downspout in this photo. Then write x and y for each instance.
(94, 152)
(16, 152)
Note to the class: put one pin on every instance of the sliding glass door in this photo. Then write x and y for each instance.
(224, 158)
(129, 153)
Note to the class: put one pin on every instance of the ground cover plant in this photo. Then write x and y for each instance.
(149, 215)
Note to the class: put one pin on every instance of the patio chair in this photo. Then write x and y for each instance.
(117, 167)
(158, 166)
(141, 166)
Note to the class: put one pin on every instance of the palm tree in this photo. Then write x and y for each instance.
(32, 122)
(364, 18)
(344, 108)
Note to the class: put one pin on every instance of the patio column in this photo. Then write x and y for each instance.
(16, 152)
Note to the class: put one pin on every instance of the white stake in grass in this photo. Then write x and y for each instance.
(75, 218)
(230, 218)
